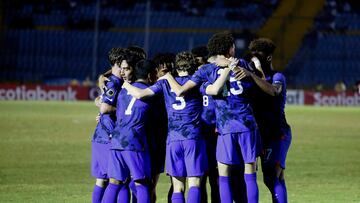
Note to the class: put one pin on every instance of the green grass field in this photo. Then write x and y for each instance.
(45, 153)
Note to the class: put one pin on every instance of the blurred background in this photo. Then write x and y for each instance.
(65, 42)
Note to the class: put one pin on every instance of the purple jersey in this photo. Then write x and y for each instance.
(269, 110)
(208, 111)
(104, 128)
(184, 113)
(131, 118)
(111, 90)
(233, 112)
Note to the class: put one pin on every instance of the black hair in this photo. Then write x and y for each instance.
(139, 51)
(114, 55)
(165, 58)
(143, 68)
(264, 45)
(220, 43)
(200, 51)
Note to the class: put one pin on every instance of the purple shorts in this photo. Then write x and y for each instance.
(99, 160)
(186, 158)
(274, 152)
(232, 148)
(124, 165)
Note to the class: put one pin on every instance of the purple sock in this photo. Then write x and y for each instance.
(132, 187)
(278, 191)
(225, 189)
(194, 195)
(252, 188)
(282, 182)
(142, 193)
(177, 197)
(111, 193)
(97, 194)
(124, 194)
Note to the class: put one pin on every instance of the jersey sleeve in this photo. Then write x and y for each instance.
(199, 76)
(157, 88)
(107, 123)
(203, 88)
(110, 94)
(278, 79)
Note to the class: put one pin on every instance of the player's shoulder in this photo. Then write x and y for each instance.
(278, 76)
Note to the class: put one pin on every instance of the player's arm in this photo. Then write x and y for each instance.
(106, 108)
(107, 123)
(216, 87)
(137, 92)
(268, 88)
(179, 90)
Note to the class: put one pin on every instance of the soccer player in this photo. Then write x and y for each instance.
(201, 54)
(105, 126)
(269, 105)
(129, 156)
(234, 119)
(185, 150)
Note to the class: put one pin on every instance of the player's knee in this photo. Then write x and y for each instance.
(194, 182)
(145, 182)
(102, 182)
(178, 184)
(115, 182)
(224, 169)
(250, 168)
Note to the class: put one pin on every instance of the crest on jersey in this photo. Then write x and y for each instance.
(110, 92)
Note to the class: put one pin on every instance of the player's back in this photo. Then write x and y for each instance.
(132, 115)
(233, 110)
(184, 113)
(269, 110)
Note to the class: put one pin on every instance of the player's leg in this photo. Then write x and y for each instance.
(213, 173)
(194, 194)
(175, 167)
(118, 173)
(248, 142)
(203, 191)
(140, 170)
(178, 189)
(99, 166)
(224, 183)
(99, 189)
(124, 193)
(273, 164)
(196, 165)
(154, 181)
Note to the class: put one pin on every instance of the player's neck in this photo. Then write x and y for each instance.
(142, 81)
(183, 73)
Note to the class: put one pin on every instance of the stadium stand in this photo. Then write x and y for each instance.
(50, 40)
(330, 51)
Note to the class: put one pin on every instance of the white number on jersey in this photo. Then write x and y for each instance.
(234, 91)
(205, 100)
(182, 104)
(128, 110)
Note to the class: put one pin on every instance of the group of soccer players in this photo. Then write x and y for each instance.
(200, 113)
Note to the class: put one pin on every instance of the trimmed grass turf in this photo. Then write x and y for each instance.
(45, 153)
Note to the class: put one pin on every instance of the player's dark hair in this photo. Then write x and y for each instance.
(200, 51)
(220, 43)
(114, 55)
(131, 57)
(262, 44)
(143, 68)
(139, 51)
(165, 58)
(185, 61)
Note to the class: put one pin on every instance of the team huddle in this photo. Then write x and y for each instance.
(194, 115)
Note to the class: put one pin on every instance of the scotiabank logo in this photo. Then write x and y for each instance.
(341, 99)
(38, 93)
